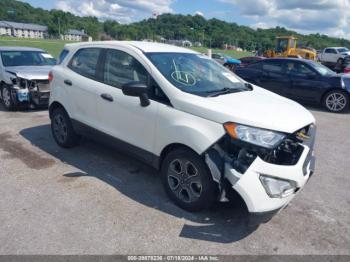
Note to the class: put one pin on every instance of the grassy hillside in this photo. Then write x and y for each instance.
(54, 47)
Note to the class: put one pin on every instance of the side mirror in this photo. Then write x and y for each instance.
(137, 89)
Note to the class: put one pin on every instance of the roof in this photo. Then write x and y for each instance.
(19, 48)
(159, 48)
(287, 59)
(145, 47)
(16, 25)
(75, 32)
(336, 47)
(258, 57)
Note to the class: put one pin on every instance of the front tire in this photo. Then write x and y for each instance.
(187, 180)
(7, 99)
(62, 129)
(336, 101)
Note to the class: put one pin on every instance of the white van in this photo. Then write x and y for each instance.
(207, 131)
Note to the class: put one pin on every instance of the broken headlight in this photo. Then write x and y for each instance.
(253, 135)
(19, 83)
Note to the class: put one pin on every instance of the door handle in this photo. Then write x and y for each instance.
(68, 82)
(107, 97)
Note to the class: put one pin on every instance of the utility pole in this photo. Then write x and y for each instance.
(59, 27)
(203, 38)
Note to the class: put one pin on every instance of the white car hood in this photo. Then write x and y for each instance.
(259, 108)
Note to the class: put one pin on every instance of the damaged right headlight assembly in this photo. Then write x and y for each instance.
(260, 137)
(275, 187)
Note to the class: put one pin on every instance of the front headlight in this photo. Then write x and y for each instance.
(277, 187)
(257, 136)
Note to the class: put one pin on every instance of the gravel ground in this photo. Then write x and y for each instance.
(93, 200)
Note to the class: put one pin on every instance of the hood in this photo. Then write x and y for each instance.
(345, 53)
(30, 72)
(258, 108)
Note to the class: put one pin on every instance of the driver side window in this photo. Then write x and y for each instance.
(121, 68)
(299, 69)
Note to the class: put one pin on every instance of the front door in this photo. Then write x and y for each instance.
(306, 82)
(122, 116)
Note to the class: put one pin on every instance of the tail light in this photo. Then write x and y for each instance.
(347, 70)
(50, 76)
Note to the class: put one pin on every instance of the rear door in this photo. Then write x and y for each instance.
(81, 85)
(250, 73)
(274, 77)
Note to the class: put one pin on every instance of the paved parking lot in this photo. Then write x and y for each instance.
(93, 200)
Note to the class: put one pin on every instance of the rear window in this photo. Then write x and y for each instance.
(62, 56)
(85, 61)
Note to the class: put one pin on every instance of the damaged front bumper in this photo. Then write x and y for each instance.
(35, 92)
(242, 172)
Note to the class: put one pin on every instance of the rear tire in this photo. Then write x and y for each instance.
(187, 180)
(7, 99)
(336, 101)
(62, 129)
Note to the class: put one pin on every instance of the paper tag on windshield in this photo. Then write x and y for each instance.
(46, 55)
(231, 77)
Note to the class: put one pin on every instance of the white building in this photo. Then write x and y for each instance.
(75, 35)
(22, 30)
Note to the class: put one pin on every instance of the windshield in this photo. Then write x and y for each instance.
(342, 50)
(282, 45)
(196, 74)
(323, 70)
(26, 58)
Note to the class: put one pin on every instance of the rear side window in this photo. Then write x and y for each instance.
(85, 62)
(121, 68)
(273, 67)
(62, 56)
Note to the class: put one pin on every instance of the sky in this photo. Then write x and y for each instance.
(329, 17)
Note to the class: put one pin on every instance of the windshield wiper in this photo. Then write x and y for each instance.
(225, 91)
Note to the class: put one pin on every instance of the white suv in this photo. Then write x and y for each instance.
(209, 132)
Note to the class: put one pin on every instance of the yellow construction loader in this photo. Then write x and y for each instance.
(286, 46)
